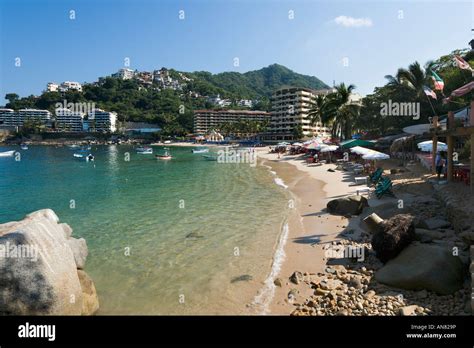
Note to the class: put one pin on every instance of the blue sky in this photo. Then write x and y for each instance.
(52, 47)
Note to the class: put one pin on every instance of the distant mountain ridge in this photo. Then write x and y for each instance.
(258, 83)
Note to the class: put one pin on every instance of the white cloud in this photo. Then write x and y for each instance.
(352, 22)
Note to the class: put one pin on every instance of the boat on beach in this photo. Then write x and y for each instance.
(7, 153)
(204, 150)
(144, 150)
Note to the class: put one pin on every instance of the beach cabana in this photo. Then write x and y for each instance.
(355, 142)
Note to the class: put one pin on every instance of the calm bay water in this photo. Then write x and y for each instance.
(136, 215)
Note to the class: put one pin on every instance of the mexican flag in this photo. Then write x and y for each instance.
(429, 92)
(437, 81)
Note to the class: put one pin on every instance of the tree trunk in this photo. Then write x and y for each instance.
(373, 222)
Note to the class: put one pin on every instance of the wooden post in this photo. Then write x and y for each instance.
(450, 141)
(435, 145)
(471, 159)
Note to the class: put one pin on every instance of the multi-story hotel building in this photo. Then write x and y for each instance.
(290, 109)
(52, 87)
(68, 120)
(11, 118)
(102, 121)
(208, 120)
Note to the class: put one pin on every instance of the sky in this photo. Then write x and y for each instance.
(354, 41)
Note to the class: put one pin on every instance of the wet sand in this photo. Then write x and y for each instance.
(310, 226)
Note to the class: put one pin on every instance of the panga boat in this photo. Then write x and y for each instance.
(210, 157)
(144, 150)
(73, 146)
(200, 150)
(165, 156)
(23, 146)
(88, 158)
(7, 153)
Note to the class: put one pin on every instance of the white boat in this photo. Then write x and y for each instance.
(88, 158)
(200, 150)
(73, 146)
(23, 146)
(144, 150)
(7, 153)
(165, 156)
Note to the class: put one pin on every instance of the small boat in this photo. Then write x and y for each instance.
(165, 156)
(144, 150)
(23, 146)
(7, 153)
(210, 157)
(73, 146)
(200, 150)
(88, 158)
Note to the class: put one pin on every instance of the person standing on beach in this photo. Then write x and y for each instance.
(439, 163)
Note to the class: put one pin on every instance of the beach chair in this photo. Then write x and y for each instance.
(384, 187)
(376, 176)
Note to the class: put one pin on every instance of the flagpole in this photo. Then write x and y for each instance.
(429, 101)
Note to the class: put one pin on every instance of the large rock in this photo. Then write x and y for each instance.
(352, 205)
(428, 235)
(435, 223)
(424, 266)
(90, 300)
(41, 279)
(79, 250)
(392, 236)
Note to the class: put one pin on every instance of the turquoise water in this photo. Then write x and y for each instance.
(136, 215)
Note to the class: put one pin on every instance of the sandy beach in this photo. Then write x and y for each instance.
(309, 226)
(312, 231)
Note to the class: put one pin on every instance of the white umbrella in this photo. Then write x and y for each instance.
(297, 144)
(329, 148)
(360, 150)
(375, 156)
(427, 146)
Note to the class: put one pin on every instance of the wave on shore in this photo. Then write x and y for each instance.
(263, 299)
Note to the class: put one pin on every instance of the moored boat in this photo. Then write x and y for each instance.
(23, 146)
(144, 150)
(200, 150)
(7, 153)
(165, 156)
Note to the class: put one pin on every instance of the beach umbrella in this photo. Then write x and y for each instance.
(359, 150)
(329, 148)
(375, 156)
(427, 146)
(314, 145)
(297, 144)
(283, 143)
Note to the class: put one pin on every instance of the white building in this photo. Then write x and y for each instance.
(124, 74)
(290, 109)
(70, 86)
(52, 87)
(68, 120)
(218, 101)
(247, 103)
(356, 99)
(11, 118)
(103, 121)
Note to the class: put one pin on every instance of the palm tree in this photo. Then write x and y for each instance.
(340, 112)
(319, 109)
(413, 78)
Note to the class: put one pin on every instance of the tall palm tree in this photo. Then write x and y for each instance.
(414, 78)
(319, 110)
(340, 112)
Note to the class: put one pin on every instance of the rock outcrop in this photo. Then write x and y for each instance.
(352, 205)
(423, 266)
(39, 262)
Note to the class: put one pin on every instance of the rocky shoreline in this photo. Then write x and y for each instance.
(425, 239)
(42, 268)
